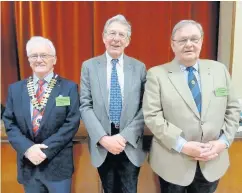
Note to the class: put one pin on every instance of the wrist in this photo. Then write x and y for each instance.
(224, 146)
(103, 138)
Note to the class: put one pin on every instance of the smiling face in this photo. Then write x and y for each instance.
(116, 39)
(187, 44)
(41, 59)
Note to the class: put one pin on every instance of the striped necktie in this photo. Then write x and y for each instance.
(194, 87)
(115, 102)
(37, 115)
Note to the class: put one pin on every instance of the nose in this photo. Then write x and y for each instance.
(188, 43)
(116, 37)
(38, 59)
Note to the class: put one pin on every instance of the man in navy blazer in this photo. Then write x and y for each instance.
(41, 118)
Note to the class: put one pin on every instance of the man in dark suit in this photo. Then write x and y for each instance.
(41, 118)
(111, 99)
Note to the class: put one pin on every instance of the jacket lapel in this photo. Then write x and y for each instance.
(128, 79)
(177, 78)
(51, 101)
(206, 85)
(102, 76)
(26, 108)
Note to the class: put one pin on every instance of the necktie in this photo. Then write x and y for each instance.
(194, 87)
(37, 115)
(115, 102)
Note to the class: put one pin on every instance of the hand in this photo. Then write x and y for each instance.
(35, 155)
(216, 148)
(112, 144)
(122, 141)
(195, 149)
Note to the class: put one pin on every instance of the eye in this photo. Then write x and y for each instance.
(112, 33)
(33, 56)
(43, 56)
(183, 41)
(122, 35)
(194, 39)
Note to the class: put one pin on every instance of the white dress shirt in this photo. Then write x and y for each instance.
(120, 72)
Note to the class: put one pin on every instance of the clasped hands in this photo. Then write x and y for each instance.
(115, 144)
(35, 154)
(203, 151)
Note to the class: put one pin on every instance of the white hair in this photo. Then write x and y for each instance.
(120, 19)
(183, 23)
(39, 40)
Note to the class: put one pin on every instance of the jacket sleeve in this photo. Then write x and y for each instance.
(15, 136)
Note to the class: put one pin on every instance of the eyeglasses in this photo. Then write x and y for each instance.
(183, 42)
(34, 57)
(113, 34)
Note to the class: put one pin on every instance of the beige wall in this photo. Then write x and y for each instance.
(237, 52)
(230, 41)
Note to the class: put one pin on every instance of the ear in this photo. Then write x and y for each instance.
(172, 46)
(104, 39)
(127, 42)
(54, 60)
(201, 40)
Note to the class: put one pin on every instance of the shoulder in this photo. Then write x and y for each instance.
(18, 84)
(160, 69)
(213, 64)
(91, 61)
(134, 61)
(67, 83)
(137, 64)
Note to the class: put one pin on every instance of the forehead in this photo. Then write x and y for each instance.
(116, 26)
(40, 48)
(188, 31)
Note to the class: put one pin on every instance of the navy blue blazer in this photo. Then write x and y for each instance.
(57, 129)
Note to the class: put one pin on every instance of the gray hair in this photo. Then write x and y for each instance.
(183, 23)
(120, 19)
(39, 40)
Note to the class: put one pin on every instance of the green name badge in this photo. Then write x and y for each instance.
(62, 101)
(219, 92)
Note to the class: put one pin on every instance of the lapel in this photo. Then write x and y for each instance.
(102, 76)
(26, 108)
(51, 102)
(206, 85)
(176, 77)
(128, 79)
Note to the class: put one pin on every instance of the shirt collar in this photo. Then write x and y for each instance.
(183, 67)
(47, 78)
(120, 59)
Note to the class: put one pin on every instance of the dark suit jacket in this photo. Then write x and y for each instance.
(57, 128)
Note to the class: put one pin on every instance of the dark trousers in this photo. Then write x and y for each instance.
(199, 185)
(118, 174)
(44, 186)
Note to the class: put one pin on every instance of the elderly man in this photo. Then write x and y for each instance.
(111, 98)
(41, 118)
(190, 107)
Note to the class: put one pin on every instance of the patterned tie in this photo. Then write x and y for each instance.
(115, 103)
(37, 115)
(194, 87)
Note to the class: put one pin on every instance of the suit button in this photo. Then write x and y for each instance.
(202, 122)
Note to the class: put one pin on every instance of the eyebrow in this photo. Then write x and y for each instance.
(192, 36)
(40, 53)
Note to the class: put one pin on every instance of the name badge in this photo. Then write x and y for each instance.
(219, 92)
(62, 101)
